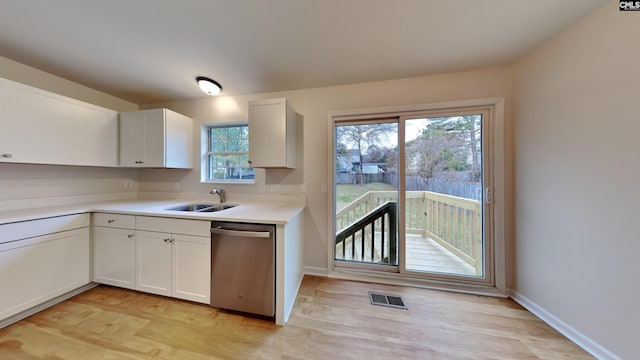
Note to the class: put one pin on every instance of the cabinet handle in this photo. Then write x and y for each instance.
(167, 240)
(139, 162)
(7, 155)
(173, 240)
(249, 162)
(130, 236)
(111, 221)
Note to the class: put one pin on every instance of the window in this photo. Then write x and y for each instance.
(227, 154)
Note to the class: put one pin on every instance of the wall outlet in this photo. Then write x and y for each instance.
(128, 184)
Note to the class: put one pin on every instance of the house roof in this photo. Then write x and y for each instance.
(148, 51)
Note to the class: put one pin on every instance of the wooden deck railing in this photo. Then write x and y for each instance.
(453, 222)
(373, 237)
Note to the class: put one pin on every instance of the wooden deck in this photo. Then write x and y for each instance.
(423, 255)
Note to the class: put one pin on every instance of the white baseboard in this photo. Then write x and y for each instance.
(588, 344)
(316, 271)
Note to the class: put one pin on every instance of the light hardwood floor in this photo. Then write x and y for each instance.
(332, 319)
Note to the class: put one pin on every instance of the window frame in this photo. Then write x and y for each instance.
(207, 153)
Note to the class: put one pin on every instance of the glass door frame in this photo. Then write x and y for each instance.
(496, 259)
(487, 277)
(364, 266)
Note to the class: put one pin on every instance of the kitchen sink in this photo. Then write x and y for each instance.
(201, 207)
(217, 208)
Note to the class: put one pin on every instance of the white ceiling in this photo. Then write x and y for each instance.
(149, 51)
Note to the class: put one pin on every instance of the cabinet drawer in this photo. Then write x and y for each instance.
(32, 228)
(174, 226)
(114, 220)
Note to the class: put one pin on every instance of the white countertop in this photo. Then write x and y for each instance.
(271, 213)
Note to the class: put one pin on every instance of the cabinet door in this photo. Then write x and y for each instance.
(272, 134)
(153, 262)
(192, 268)
(154, 138)
(46, 128)
(132, 139)
(114, 256)
(142, 138)
(35, 270)
(267, 133)
(179, 141)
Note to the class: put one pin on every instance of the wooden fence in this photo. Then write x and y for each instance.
(459, 188)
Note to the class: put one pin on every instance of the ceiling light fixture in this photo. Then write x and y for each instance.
(209, 86)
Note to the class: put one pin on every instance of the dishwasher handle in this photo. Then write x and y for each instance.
(253, 234)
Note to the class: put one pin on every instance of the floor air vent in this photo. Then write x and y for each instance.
(394, 301)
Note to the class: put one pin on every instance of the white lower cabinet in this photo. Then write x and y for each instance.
(114, 257)
(153, 262)
(163, 256)
(191, 264)
(174, 265)
(41, 260)
(114, 249)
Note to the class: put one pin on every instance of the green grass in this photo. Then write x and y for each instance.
(347, 193)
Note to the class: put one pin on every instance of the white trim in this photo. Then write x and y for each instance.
(205, 153)
(585, 342)
(407, 109)
(316, 271)
(331, 204)
(498, 176)
(499, 200)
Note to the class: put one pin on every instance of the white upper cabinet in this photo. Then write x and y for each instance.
(157, 138)
(272, 134)
(40, 127)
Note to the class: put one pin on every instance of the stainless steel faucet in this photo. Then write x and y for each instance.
(221, 194)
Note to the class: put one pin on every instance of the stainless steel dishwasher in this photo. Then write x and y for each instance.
(243, 267)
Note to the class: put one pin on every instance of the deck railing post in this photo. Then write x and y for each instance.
(477, 239)
(393, 233)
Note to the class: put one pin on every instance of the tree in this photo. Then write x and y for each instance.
(362, 136)
(379, 154)
(446, 144)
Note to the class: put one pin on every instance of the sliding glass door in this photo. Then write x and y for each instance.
(410, 194)
(443, 173)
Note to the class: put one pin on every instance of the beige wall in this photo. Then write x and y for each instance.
(577, 170)
(314, 105)
(22, 181)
